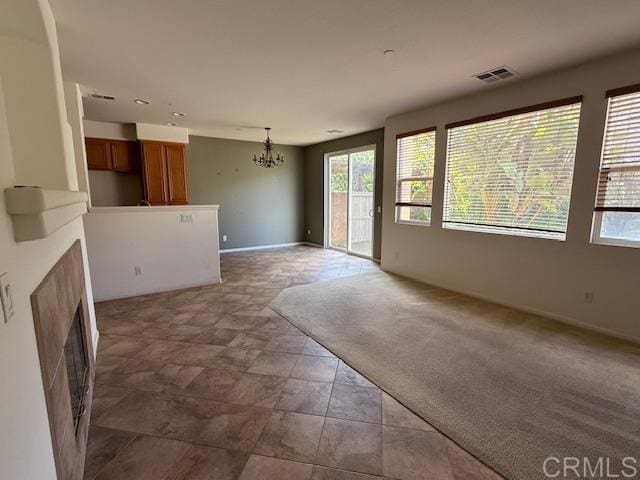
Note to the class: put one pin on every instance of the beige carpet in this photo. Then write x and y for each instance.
(510, 387)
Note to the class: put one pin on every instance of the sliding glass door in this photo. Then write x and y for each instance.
(338, 200)
(361, 208)
(350, 200)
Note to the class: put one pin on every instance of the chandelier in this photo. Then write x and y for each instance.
(266, 158)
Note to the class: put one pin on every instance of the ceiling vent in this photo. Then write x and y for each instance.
(500, 73)
(102, 97)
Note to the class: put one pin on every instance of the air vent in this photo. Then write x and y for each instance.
(500, 73)
(101, 97)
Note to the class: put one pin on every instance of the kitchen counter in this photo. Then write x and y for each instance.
(139, 250)
(154, 208)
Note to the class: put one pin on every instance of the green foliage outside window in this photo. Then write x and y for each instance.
(421, 166)
(362, 175)
(520, 175)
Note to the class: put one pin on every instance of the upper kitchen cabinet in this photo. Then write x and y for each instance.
(176, 174)
(125, 156)
(164, 173)
(115, 155)
(98, 154)
(154, 173)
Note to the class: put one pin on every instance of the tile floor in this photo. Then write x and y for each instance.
(210, 384)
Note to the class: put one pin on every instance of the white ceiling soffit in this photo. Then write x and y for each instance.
(304, 67)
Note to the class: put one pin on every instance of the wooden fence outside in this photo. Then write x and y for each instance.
(361, 220)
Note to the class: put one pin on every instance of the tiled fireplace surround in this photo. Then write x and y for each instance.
(56, 302)
(210, 384)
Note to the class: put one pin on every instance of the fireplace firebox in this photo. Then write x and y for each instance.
(75, 354)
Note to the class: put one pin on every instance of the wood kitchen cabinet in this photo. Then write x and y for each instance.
(116, 155)
(164, 172)
(98, 154)
(125, 156)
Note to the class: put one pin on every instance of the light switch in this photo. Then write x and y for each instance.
(7, 299)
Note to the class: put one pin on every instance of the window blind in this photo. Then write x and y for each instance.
(512, 172)
(619, 180)
(414, 176)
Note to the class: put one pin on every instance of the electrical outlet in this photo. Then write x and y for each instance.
(186, 218)
(137, 270)
(224, 238)
(588, 297)
(7, 300)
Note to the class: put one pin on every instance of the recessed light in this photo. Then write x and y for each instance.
(139, 101)
(389, 51)
(178, 114)
(335, 131)
(169, 124)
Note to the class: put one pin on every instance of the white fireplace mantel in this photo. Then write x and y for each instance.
(37, 212)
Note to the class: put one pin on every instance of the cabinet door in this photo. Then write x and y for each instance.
(98, 154)
(154, 168)
(176, 174)
(124, 156)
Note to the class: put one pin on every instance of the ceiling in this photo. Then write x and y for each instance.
(304, 67)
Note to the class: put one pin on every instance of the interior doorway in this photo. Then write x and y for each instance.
(349, 200)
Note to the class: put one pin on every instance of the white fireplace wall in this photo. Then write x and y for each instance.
(25, 442)
(30, 81)
(34, 98)
(75, 116)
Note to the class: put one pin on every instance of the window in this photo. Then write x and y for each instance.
(511, 172)
(617, 212)
(414, 176)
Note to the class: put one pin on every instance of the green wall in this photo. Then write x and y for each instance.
(258, 206)
(314, 183)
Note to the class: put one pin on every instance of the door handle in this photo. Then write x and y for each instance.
(371, 213)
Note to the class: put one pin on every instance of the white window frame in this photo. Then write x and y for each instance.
(597, 239)
(596, 227)
(500, 230)
(396, 213)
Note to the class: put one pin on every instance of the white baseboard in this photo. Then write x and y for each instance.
(261, 247)
(150, 291)
(525, 308)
